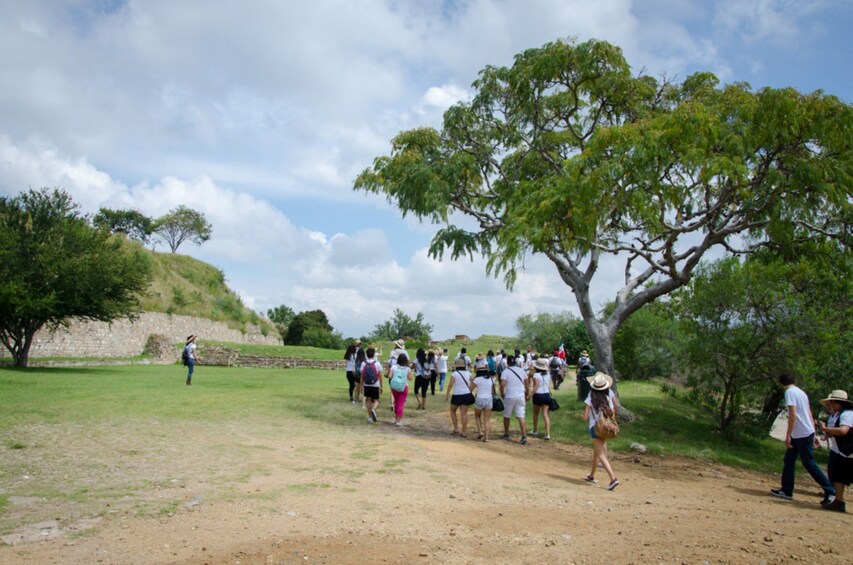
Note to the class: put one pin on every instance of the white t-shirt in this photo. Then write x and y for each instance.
(460, 378)
(803, 426)
(484, 386)
(441, 364)
(593, 414)
(513, 379)
(542, 382)
(191, 351)
(351, 364)
(846, 419)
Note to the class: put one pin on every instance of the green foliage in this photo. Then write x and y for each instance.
(182, 224)
(312, 324)
(748, 322)
(54, 267)
(185, 286)
(402, 325)
(131, 223)
(566, 154)
(650, 344)
(545, 332)
(281, 315)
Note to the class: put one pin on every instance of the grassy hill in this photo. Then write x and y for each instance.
(186, 286)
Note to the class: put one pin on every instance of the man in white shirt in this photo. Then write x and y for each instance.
(800, 440)
(515, 392)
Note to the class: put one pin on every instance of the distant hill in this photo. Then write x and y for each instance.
(186, 286)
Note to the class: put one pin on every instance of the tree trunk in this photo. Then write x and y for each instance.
(602, 341)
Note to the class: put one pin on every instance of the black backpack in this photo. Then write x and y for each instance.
(845, 442)
(185, 356)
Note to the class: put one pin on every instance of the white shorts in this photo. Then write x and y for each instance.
(483, 403)
(516, 405)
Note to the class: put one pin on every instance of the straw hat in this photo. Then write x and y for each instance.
(460, 364)
(584, 353)
(400, 343)
(600, 381)
(540, 364)
(837, 396)
(190, 338)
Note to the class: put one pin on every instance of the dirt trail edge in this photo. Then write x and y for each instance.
(298, 493)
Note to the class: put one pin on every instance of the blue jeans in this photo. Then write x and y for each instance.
(441, 377)
(190, 368)
(804, 448)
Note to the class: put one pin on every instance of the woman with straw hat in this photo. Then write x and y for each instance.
(838, 429)
(600, 401)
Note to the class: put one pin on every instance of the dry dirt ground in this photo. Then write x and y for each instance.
(300, 491)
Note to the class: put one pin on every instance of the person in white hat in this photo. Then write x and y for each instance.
(600, 400)
(190, 357)
(838, 429)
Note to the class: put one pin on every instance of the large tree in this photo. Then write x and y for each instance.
(569, 155)
(183, 224)
(54, 266)
(403, 325)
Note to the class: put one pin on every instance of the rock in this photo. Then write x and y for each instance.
(638, 447)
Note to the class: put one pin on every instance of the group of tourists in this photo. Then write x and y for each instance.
(801, 439)
(490, 382)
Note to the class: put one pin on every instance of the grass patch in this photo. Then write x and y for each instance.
(4, 503)
(157, 395)
(306, 488)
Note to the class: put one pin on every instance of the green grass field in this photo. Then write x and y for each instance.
(666, 425)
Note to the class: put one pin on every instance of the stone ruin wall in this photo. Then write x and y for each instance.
(123, 338)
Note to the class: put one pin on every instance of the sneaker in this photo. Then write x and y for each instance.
(398, 423)
(613, 484)
(505, 436)
(523, 440)
(590, 479)
(836, 505)
(779, 493)
(533, 433)
(827, 498)
(373, 415)
(546, 438)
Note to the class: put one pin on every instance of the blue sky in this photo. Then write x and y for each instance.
(260, 115)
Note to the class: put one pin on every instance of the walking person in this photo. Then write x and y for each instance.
(541, 396)
(462, 397)
(433, 371)
(484, 390)
(399, 377)
(349, 357)
(399, 348)
(601, 401)
(441, 367)
(421, 378)
(371, 383)
(801, 441)
(839, 430)
(360, 358)
(514, 390)
(463, 354)
(190, 356)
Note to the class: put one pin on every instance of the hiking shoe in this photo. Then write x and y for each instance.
(505, 436)
(373, 415)
(613, 484)
(523, 440)
(836, 505)
(779, 493)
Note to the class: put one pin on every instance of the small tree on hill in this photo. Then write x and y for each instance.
(183, 224)
(402, 325)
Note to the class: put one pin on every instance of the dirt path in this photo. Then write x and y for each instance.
(302, 492)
